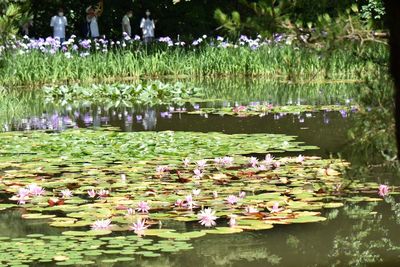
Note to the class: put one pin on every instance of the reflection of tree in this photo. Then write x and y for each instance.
(365, 241)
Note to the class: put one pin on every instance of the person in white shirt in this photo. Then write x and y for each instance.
(59, 22)
(93, 26)
(147, 25)
(126, 23)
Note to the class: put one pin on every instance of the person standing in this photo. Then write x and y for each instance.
(147, 25)
(58, 23)
(92, 25)
(126, 23)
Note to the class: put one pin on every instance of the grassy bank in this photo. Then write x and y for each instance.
(273, 61)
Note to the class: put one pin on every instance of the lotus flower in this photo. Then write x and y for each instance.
(232, 220)
(189, 202)
(103, 193)
(232, 199)
(275, 208)
(251, 209)
(207, 217)
(198, 173)
(269, 159)
(101, 224)
(383, 190)
(139, 227)
(201, 164)
(253, 162)
(196, 192)
(143, 207)
(35, 190)
(130, 211)
(66, 193)
(91, 193)
(186, 162)
(179, 203)
(215, 194)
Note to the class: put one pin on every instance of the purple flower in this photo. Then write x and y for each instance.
(207, 217)
(103, 193)
(66, 193)
(91, 193)
(201, 164)
(35, 190)
(232, 220)
(143, 207)
(139, 227)
(101, 225)
(275, 208)
(383, 190)
(232, 199)
(198, 173)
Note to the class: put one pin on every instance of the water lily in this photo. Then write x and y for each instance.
(101, 224)
(232, 199)
(186, 162)
(383, 190)
(35, 190)
(251, 209)
(143, 207)
(232, 220)
(215, 194)
(66, 193)
(196, 192)
(269, 159)
(189, 202)
(277, 164)
(275, 208)
(161, 170)
(242, 194)
(91, 193)
(179, 203)
(227, 161)
(300, 158)
(207, 217)
(130, 211)
(201, 164)
(103, 193)
(139, 227)
(198, 173)
(253, 162)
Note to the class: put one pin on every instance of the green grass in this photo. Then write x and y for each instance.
(278, 62)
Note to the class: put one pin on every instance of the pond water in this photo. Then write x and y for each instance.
(357, 234)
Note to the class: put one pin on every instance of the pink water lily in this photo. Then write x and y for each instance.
(198, 173)
(242, 194)
(232, 220)
(35, 190)
(207, 217)
(130, 211)
(189, 202)
(251, 209)
(232, 199)
(268, 159)
(103, 193)
(101, 224)
(91, 193)
(300, 158)
(186, 162)
(139, 227)
(275, 208)
(66, 193)
(143, 207)
(179, 203)
(215, 194)
(253, 161)
(196, 192)
(383, 190)
(201, 164)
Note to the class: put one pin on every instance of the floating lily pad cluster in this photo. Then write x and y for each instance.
(81, 179)
(264, 109)
(151, 92)
(88, 250)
